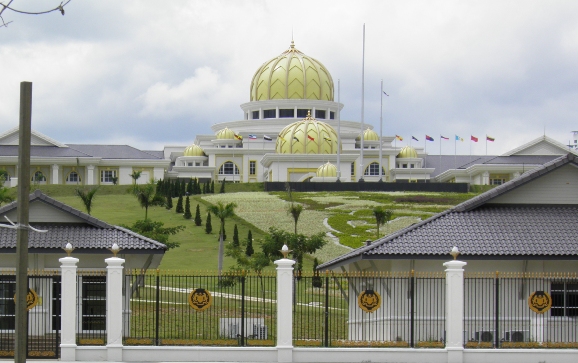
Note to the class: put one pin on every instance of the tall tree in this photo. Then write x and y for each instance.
(222, 211)
(222, 190)
(236, 242)
(188, 214)
(147, 197)
(179, 207)
(156, 230)
(136, 176)
(212, 187)
(208, 225)
(169, 204)
(87, 196)
(198, 220)
(294, 209)
(249, 251)
(381, 216)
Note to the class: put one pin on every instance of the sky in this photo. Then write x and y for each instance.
(150, 73)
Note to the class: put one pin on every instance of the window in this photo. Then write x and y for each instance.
(38, 177)
(93, 303)
(302, 112)
(189, 164)
(106, 176)
(411, 166)
(269, 113)
(332, 115)
(286, 113)
(497, 181)
(373, 169)
(353, 168)
(7, 306)
(228, 168)
(404, 166)
(255, 115)
(564, 298)
(73, 177)
(252, 167)
(320, 113)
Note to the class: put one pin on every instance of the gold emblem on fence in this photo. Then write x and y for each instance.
(32, 299)
(369, 301)
(200, 299)
(540, 301)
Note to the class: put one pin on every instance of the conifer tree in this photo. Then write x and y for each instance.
(188, 214)
(197, 188)
(236, 237)
(249, 250)
(316, 281)
(198, 220)
(182, 187)
(169, 204)
(190, 187)
(179, 208)
(222, 186)
(208, 226)
(212, 186)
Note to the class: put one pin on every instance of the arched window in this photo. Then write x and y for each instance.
(73, 177)
(228, 168)
(373, 169)
(38, 177)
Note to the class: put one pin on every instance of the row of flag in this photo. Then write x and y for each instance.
(268, 138)
(429, 138)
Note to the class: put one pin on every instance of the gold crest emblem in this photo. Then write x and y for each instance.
(200, 299)
(369, 301)
(540, 301)
(32, 299)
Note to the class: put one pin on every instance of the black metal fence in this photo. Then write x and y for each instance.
(91, 308)
(521, 310)
(366, 187)
(195, 308)
(43, 300)
(373, 309)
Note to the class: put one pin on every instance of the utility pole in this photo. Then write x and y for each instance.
(22, 230)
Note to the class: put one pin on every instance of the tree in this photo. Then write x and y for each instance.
(249, 251)
(188, 214)
(3, 8)
(222, 212)
(198, 220)
(5, 196)
(381, 216)
(156, 230)
(190, 187)
(316, 281)
(222, 190)
(294, 209)
(298, 243)
(147, 197)
(212, 187)
(179, 208)
(135, 176)
(169, 204)
(208, 226)
(87, 196)
(236, 242)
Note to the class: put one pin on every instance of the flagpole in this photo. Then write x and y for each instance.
(381, 132)
(362, 104)
(455, 151)
(338, 130)
(425, 152)
(440, 150)
(486, 145)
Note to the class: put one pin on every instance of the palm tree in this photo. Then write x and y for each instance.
(135, 175)
(295, 211)
(147, 196)
(87, 197)
(222, 212)
(381, 216)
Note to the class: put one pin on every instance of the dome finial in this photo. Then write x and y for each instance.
(292, 44)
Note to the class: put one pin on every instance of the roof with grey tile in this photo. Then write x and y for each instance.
(449, 162)
(484, 230)
(113, 151)
(43, 151)
(90, 234)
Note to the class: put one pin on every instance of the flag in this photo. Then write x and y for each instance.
(385, 94)
(238, 137)
(295, 138)
(490, 138)
(459, 138)
(429, 138)
(310, 138)
(474, 139)
(268, 138)
(253, 137)
(414, 138)
(445, 138)
(399, 137)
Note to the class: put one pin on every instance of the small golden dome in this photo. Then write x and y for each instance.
(225, 134)
(368, 135)
(194, 150)
(327, 170)
(292, 75)
(407, 152)
(307, 136)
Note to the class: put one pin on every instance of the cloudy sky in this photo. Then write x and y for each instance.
(155, 73)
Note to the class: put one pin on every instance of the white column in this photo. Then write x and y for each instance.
(284, 310)
(55, 174)
(89, 175)
(114, 308)
(68, 306)
(455, 310)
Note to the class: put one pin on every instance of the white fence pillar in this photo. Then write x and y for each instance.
(284, 310)
(68, 306)
(455, 310)
(114, 308)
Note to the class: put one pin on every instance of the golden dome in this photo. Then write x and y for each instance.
(307, 136)
(407, 152)
(369, 135)
(194, 150)
(292, 75)
(225, 134)
(327, 170)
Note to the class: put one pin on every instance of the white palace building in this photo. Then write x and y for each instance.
(290, 131)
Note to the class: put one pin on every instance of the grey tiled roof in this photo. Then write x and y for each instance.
(42, 151)
(448, 162)
(113, 151)
(484, 230)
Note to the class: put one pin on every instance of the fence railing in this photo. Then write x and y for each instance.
(199, 308)
(373, 309)
(498, 310)
(91, 307)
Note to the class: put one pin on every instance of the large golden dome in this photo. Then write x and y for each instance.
(407, 152)
(327, 170)
(225, 134)
(369, 135)
(194, 150)
(292, 75)
(307, 136)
